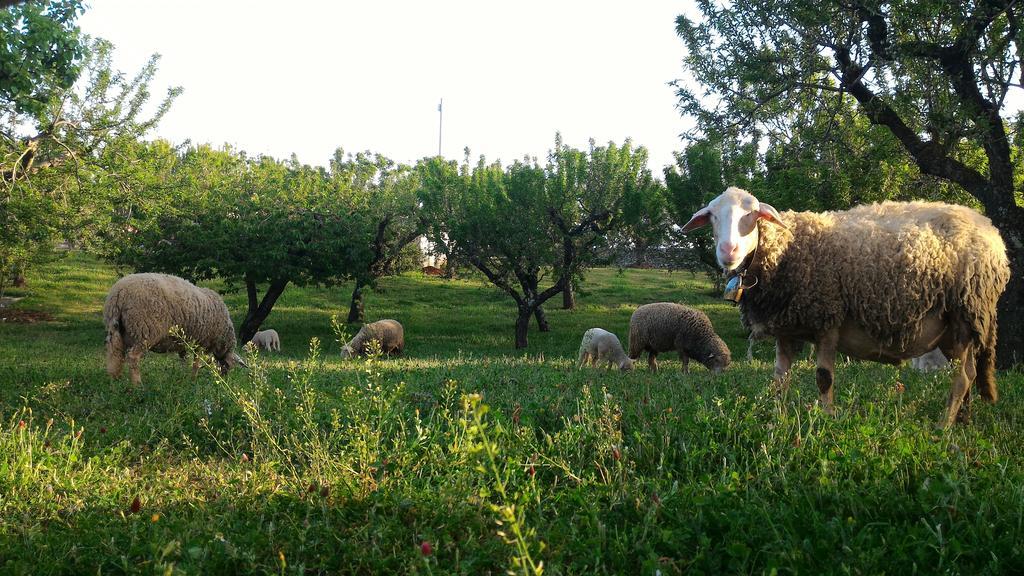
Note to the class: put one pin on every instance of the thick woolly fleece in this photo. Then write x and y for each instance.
(885, 267)
(140, 310)
(389, 332)
(666, 326)
(599, 345)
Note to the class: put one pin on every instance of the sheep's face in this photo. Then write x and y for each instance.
(733, 217)
(229, 361)
(347, 352)
(626, 365)
(717, 362)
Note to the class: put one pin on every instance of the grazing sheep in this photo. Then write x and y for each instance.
(930, 362)
(882, 282)
(140, 310)
(664, 326)
(389, 333)
(433, 271)
(602, 345)
(267, 340)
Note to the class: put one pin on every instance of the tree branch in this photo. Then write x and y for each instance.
(928, 154)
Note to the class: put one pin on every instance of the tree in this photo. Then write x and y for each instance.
(250, 222)
(58, 159)
(383, 196)
(586, 193)
(934, 74)
(496, 220)
(40, 53)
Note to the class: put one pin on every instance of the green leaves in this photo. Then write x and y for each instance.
(40, 53)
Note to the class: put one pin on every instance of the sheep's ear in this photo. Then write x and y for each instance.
(767, 212)
(700, 218)
(238, 360)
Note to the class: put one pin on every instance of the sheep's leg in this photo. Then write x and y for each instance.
(135, 354)
(960, 386)
(195, 366)
(686, 362)
(115, 355)
(652, 361)
(825, 359)
(783, 360)
(582, 360)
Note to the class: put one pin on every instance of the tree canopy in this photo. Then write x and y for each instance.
(249, 221)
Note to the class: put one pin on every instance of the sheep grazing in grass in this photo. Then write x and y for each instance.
(267, 340)
(930, 362)
(601, 345)
(882, 282)
(664, 327)
(389, 333)
(141, 309)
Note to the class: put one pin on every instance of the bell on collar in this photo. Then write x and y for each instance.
(734, 289)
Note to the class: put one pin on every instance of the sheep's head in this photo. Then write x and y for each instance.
(229, 361)
(717, 362)
(347, 352)
(626, 365)
(733, 216)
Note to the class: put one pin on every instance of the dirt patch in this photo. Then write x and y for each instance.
(24, 316)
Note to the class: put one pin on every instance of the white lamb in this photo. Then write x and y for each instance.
(267, 340)
(601, 345)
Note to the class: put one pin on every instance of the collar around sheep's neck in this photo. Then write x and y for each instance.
(736, 285)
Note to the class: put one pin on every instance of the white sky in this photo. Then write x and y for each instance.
(308, 77)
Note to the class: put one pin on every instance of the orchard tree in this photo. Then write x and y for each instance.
(383, 196)
(586, 196)
(57, 160)
(934, 74)
(251, 222)
(40, 53)
(497, 221)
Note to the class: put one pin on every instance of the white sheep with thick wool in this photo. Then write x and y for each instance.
(141, 309)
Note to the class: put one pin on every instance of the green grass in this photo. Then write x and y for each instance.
(308, 464)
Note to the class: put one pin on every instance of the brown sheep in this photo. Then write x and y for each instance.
(665, 326)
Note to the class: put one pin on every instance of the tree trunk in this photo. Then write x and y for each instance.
(355, 310)
(258, 312)
(568, 295)
(568, 259)
(522, 326)
(1010, 343)
(542, 319)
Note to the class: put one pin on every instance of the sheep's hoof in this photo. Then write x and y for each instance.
(963, 415)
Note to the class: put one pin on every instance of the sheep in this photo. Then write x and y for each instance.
(930, 362)
(601, 345)
(141, 309)
(432, 271)
(664, 326)
(882, 282)
(389, 333)
(267, 339)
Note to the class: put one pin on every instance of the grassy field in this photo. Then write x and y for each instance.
(468, 457)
